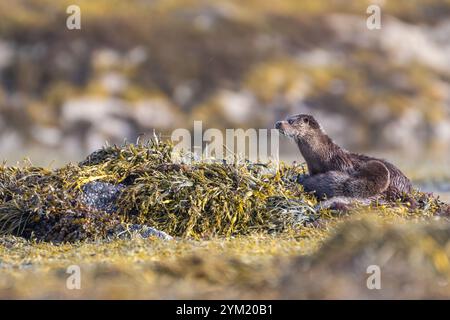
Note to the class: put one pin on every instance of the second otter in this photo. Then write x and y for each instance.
(335, 172)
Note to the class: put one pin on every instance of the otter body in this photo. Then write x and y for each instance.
(372, 178)
(335, 172)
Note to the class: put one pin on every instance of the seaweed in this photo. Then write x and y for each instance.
(140, 186)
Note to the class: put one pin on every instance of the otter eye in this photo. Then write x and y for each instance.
(305, 120)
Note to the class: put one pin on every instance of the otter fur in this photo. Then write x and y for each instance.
(335, 172)
(372, 178)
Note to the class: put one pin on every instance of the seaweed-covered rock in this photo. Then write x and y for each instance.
(140, 185)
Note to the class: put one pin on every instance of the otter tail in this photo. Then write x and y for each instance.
(372, 178)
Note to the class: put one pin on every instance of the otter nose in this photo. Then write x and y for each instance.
(278, 124)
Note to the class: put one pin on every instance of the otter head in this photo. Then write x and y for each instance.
(315, 146)
(299, 127)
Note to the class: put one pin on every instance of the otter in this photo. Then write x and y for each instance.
(338, 173)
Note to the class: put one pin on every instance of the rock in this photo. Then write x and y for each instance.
(156, 112)
(48, 136)
(403, 42)
(6, 54)
(106, 58)
(93, 109)
(406, 131)
(140, 230)
(91, 120)
(136, 56)
(114, 83)
(101, 195)
(237, 107)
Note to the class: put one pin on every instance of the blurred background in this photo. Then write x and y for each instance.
(141, 65)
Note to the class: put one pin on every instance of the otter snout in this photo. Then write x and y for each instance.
(278, 125)
(282, 125)
(285, 128)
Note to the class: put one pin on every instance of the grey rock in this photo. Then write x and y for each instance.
(140, 230)
(101, 195)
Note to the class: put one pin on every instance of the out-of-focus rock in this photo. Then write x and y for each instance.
(229, 109)
(93, 120)
(114, 83)
(206, 17)
(48, 136)
(89, 121)
(156, 112)
(93, 109)
(10, 141)
(231, 65)
(406, 131)
(404, 42)
(237, 107)
(6, 54)
(106, 58)
(136, 56)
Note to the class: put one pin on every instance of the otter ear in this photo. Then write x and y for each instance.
(313, 123)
